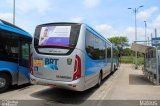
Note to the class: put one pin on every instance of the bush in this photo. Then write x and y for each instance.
(131, 60)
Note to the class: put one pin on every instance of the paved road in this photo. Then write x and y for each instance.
(125, 84)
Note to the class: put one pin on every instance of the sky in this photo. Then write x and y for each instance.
(108, 17)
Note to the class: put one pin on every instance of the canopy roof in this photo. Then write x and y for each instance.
(141, 48)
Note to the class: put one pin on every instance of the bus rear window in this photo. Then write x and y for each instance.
(59, 36)
(54, 35)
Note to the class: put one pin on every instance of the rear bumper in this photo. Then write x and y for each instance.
(76, 85)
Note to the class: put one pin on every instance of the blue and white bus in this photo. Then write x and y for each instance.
(71, 56)
(14, 55)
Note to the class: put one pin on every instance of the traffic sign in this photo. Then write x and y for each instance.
(156, 41)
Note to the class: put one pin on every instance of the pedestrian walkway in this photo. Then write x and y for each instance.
(131, 84)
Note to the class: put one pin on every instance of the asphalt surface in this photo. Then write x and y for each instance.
(121, 87)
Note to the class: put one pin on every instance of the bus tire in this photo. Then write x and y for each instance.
(114, 67)
(99, 80)
(4, 82)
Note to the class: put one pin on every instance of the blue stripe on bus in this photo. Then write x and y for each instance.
(13, 67)
(25, 72)
(8, 66)
(12, 29)
(94, 66)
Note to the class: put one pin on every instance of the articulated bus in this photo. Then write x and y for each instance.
(14, 55)
(71, 56)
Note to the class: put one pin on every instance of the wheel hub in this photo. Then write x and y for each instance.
(2, 82)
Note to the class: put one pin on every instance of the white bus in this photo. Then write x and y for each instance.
(70, 56)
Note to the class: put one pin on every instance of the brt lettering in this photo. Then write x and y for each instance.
(51, 61)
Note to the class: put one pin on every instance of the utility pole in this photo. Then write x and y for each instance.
(155, 33)
(151, 38)
(14, 3)
(135, 10)
(148, 41)
(145, 24)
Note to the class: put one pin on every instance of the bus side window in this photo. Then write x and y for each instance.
(9, 47)
(2, 50)
(95, 47)
(99, 49)
(25, 55)
(90, 44)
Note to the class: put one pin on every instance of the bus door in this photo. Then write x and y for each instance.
(23, 74)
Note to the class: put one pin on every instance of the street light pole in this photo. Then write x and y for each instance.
(145, 30)
(135, 12)
(14, 3)
(148, 41)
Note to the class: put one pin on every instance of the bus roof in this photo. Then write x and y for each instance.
(58, 23)
(12, 28)
(88, 27)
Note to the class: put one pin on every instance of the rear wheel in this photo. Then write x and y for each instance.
(99, 80)
(114, 69)
(4, 82)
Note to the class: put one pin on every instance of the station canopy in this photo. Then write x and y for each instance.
(141, 47)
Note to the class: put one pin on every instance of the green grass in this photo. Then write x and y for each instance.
(131, 60)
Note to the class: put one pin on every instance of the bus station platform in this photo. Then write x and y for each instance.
(151, 61)
(131, 84)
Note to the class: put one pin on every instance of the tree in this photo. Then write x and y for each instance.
(119, 42)
(127, 52)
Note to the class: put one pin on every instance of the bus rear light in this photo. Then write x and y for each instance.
(77, 68)
(31, 64)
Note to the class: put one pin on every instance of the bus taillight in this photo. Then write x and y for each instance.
(77, 68)
(31, 64)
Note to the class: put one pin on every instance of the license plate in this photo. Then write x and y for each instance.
(37, 63)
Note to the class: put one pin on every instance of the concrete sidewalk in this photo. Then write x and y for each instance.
(131, 84)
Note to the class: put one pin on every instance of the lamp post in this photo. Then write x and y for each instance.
(148, 41)
(14, 2)
(135, 10)
(145, 24)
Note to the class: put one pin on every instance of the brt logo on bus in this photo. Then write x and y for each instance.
(51, 63)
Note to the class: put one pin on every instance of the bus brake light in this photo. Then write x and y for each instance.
(31, 64)
(77, 68)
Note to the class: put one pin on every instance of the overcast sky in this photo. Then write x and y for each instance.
(108, 17)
